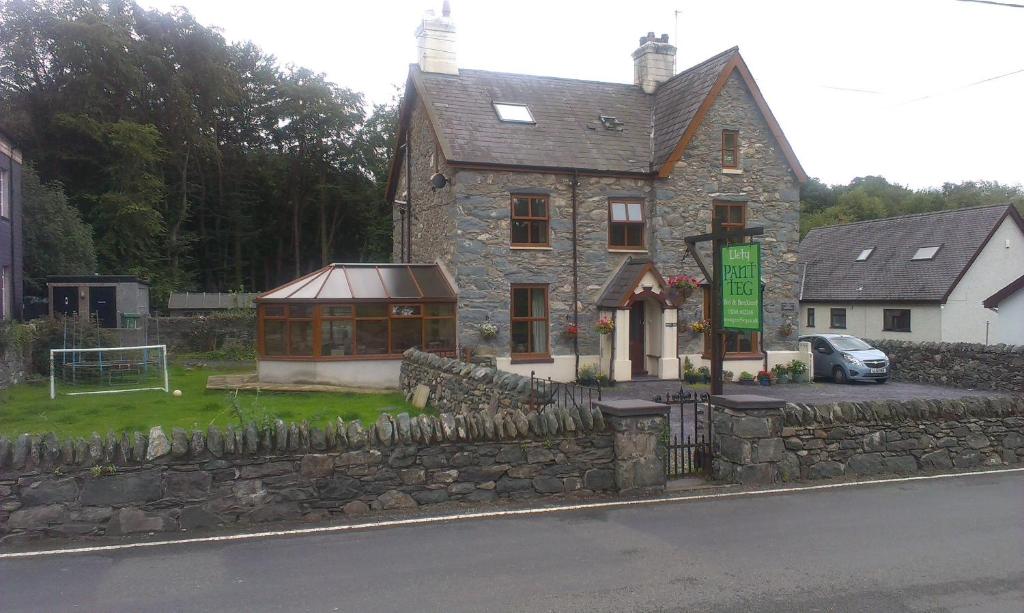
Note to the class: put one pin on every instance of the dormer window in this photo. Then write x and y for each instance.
(730, 149)
(864, 255)
(513, 113)
(925, 253)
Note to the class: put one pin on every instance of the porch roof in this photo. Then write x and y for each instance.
(616, 294)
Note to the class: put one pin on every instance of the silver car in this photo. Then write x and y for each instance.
(847, 358)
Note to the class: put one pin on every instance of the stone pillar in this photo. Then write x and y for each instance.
(747, 439)
(668, 363)
(638, 426)
(623, 367)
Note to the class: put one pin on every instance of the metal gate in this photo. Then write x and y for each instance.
(688, 446)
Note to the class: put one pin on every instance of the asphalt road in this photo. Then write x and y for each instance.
(952, 544)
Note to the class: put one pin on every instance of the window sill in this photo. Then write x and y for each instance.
(732, 171)
(903, 331)
(531, 247)
(533, 360)
(736, 356)
(624, 250)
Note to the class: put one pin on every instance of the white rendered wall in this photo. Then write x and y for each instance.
(1010, 325)
(561, 369)
(867, 320)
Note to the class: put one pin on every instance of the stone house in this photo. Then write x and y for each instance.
(924, 277)
(11, 248)
(555, 202)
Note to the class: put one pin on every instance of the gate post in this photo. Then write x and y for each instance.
(638, 426)
(747, 439)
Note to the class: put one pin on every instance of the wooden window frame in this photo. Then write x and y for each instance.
(530, 219)
(810, 317)
(6, 199)
(886, 327)
(755, 340)
(735, 149)
(832, 312)
(642, 223)
(729, 205)
(530, 356)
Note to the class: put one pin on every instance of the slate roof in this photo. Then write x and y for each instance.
(210, 300)
(832, 274)
(624, 281)
(568, 132)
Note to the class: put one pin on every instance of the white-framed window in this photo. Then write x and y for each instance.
(5, 197)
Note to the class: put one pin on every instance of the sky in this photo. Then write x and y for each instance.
(860, 87)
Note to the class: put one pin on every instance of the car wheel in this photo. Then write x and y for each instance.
(839, 375)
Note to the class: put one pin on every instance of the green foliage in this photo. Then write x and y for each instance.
(198, 164)
(63, 333)
(797, 367)
(57, 241)
(868, 198)
(746, 376)
(588, 375)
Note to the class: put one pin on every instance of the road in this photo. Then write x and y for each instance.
(950, 544)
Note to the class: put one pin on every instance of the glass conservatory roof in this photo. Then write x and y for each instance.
(354, 282)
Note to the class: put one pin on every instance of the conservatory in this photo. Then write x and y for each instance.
(348, 324)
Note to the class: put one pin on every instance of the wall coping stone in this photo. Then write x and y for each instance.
(632, 408)
(743, 402)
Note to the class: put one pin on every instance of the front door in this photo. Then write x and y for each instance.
(637, 334)
(65, 301)
(103, 305)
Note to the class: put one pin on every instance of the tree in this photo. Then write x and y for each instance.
(57, 241)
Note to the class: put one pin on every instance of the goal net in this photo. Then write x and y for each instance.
(108, 370)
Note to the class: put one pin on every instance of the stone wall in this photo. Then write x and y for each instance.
(867, 438)
(240, 476)
(12, 367)
(459, 387)
(967, 365)
(204, 333)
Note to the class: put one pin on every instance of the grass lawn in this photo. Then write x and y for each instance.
(28, 408)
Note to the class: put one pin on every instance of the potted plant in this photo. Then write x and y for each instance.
(726, 376)
(746, 378)
(488, 330)
(588, 375)
(764, 377)
(780, 373)
(798, 371)
(605, 325)
(704, 373)
(689, 374)
(681, 287)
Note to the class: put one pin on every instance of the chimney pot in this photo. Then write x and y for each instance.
(435, 42)
(654, 62)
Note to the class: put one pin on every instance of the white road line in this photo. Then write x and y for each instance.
(492, 514)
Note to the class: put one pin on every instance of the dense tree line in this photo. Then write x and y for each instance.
(873, 198)
(196, 163)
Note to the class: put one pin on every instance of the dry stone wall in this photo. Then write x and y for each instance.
(460, 387)
(966, 365)
(238, 476)
(859, 439)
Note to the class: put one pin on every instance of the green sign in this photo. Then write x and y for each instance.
(741, 287)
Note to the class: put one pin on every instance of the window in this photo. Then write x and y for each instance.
(837, 318)
(735, 344)
(513, 113)
(925, 253)
(530, 217)
(864, 255)
(896, 320)
(626, 224)
(337, 330)
(810, 317)
(730, 149)
(5, 200)
(732, 215)
(529, 329)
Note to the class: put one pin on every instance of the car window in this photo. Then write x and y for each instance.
(820, 343)
(850, 343)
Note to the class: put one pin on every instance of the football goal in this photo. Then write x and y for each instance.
(108, 370)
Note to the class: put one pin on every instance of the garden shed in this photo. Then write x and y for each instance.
(348, 324)
(116, 301)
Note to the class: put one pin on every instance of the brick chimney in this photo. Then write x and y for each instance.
(435, 42)
(654, 62)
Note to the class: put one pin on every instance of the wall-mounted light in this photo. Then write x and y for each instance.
(437, 181)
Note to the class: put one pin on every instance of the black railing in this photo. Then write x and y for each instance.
(688, 449)
(545, 392)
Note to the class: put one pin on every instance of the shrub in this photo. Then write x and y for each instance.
(588, 375)
(746, 376)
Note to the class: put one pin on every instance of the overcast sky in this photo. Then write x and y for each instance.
(859, 86)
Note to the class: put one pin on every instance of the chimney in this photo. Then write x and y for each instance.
(654, 62)
(435, 42)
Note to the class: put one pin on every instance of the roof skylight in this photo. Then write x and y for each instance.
(865, 254)
(925, 253)
(513, 113)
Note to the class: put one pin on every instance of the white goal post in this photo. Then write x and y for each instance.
(137, 369)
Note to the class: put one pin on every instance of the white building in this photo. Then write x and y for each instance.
(920, 277)
(1009, 304)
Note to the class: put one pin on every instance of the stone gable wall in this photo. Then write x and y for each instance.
(250, 475)
(683, 208)
(805, 442)
(967, 365)
(433, 229)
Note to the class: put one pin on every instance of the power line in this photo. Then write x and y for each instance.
(1008, 4)
(962, 87)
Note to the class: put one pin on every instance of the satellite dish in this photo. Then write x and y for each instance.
(438, 180)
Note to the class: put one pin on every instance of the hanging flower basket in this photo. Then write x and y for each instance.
(571, 331)
(605, 326)
(681, 287)
(488, 331)
(701, 326)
